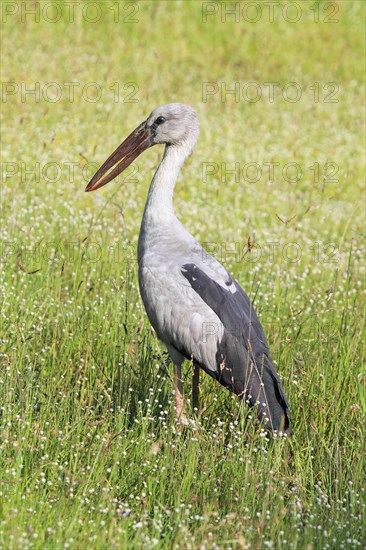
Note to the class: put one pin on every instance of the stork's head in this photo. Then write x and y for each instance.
(174, 124)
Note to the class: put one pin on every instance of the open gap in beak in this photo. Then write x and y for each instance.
(137, 142)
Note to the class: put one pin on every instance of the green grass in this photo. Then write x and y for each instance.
(90, 453)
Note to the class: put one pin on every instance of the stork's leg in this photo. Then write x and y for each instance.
(195, 389)
(178, 359)
(179, 401)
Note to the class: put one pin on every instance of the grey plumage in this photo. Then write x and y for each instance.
(197, 309)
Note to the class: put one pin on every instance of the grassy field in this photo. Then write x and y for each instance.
(91, 456)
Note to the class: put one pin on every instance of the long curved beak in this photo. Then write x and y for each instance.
(137, 142)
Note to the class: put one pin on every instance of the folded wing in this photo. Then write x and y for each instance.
(243, 360)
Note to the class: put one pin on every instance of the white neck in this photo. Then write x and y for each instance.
(159, 205)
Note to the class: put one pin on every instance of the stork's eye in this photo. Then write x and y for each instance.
(160, 120)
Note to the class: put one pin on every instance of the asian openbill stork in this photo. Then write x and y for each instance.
(196, 308)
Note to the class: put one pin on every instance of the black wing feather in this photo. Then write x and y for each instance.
(243, 358)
